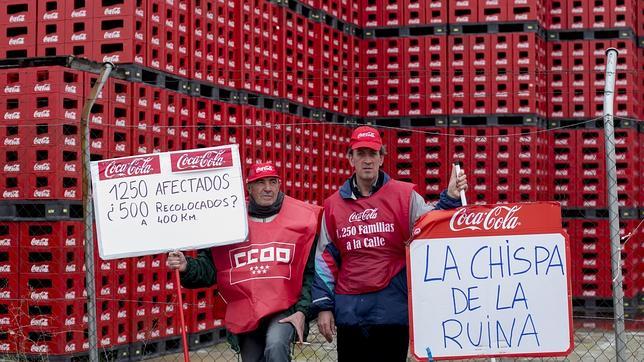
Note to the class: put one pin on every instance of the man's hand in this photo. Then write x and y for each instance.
(456, 184)
(297, 320)
(326, 325)
(176, 260)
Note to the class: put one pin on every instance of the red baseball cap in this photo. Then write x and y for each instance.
(366, 136)
(261, 170)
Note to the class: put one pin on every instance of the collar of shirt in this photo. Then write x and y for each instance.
(377, 184)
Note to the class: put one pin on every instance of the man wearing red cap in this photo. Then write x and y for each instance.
(266, 280)
(360, 282)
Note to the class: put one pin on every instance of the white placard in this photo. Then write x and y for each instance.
(489, 295)
(154, 203)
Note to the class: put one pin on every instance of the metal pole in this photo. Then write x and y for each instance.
(89, 213)
(613, 206)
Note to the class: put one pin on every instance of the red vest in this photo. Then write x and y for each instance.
(370, 234)
(263, 275)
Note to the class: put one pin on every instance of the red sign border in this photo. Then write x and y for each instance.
(537, 354)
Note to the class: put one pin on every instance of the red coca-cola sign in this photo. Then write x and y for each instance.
(499, 217)
(201, 159)
(485, 220)
(128, 167)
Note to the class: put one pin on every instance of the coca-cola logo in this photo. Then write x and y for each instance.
(127, 167)
(366, 135)
(262, 169)
(199, 160)
(498, 218)
(11, 194)
(42, 114)
(115, 34)
(12, 88)
(17, 18)
(364, 215)
(12, 115)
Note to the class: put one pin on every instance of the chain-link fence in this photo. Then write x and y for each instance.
(44, 309)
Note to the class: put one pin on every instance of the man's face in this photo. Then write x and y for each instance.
(366, 163)
(265, 190)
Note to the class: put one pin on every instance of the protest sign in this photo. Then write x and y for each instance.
(488, 281)
(154, 203)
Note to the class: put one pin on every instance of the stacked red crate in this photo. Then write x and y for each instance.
(415, 76)
(294, 68)
(354, 80)
(504, 164)
(52, 286)
(18, 29)
(327, 49)
(521, 10)
(183, 62)
(556, 15)
(155, 34)
(591, 261)
(463, 11)
(276, 50)
(405, 160)
(43, 159)
(528, 69)
(502, 80)
(372, 78)
(564, 173)
(229, 47)
(480, 165)
(391, 13)
(335, 163)
(600, 14)
(480, 78)
(159, 120)
(437, 76)
(579, 98)
(578, 14)
(458, 82)
(369, 16)
(184, 122)
(629, 166)
(147, 295)
(627, 104)
(9, 283)
(341, 75)
(120, 32)
(142, 120)
(557, 80)
(312, 61)
(531, 164)
(435, 167)
(591, 156)
(392, 97)
(247, 146)
(591, 258)
(622, 14)
(492, 11)
(631, 264)
(246, 44)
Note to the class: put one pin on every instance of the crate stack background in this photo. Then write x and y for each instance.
(510, 88)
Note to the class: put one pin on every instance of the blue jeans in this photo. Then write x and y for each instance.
(270, 342)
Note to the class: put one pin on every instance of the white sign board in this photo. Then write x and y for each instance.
(485, 296)
(154, 203)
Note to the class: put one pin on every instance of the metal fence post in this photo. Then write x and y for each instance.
(89, 213)
(613, 206)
